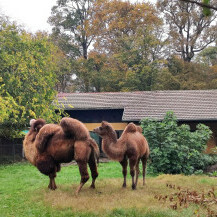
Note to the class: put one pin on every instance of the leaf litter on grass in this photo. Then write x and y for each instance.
(109, 195)
(108, 199)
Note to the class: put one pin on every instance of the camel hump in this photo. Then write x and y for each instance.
(139, 129)
(130, 128)
(74, 129)
(44, 135)
(36, 125)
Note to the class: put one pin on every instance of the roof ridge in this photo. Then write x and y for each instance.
(149, 91)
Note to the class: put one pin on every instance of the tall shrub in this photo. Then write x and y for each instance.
(175, 149)
(27, 79)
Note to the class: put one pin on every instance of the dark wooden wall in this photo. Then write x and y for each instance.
(97, 116)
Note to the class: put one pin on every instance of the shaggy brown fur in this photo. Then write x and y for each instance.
(131, 145)
(30, 150)
(52, 144)
(132, 128)
(139, 129)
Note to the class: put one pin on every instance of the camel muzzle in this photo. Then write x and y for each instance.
(95, 130)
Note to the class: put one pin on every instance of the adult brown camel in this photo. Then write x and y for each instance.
(46, 146)
(131, 145)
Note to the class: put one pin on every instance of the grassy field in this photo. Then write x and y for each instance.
(23, 192)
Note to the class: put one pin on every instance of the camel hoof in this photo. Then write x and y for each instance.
(53, 188)
(134, 187)
(92, 186)
(76, 193)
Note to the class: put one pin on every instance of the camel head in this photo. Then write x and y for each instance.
(104, 129)
(36, 125)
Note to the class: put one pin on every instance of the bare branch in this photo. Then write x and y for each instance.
(198, 50)
(201, 4)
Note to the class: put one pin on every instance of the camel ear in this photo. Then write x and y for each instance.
(107, 127)
(104, 123)
(32, 121)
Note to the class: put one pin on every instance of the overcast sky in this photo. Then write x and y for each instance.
(32, 14)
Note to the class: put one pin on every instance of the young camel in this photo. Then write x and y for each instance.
(46, 146)
(131, 145)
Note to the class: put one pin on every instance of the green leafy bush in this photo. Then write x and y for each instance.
(175, 149)
(27, 79)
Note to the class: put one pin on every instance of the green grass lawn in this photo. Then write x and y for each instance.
(24, 192)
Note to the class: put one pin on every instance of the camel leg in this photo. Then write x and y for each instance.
(84, 174)
(52, 184)
(58, 167)
(124, 170)
(52, 176)
(144, 164)
(133, 162)
(47, 166)
(93, 169)
(137, 171)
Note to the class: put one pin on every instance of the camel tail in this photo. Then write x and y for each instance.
(95, 147)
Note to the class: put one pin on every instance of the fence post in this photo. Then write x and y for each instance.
(23, 153)
(13, 151)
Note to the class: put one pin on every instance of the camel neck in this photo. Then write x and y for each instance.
(113, 149)
(111, 138)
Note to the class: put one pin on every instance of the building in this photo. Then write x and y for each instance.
(119, 108)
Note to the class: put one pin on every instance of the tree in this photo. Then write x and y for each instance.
(8, 107)
(131, 34)
(126, 38)
(72, 20)
(74, 33)
(63, 71)
(208, 59)
(97, 74)
(208, 56)
(121, 23)
(180, 75)
(189, 30)
(143, 60)
(205, 4)
(27, 82)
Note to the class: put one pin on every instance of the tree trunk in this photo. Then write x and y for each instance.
(84, 47)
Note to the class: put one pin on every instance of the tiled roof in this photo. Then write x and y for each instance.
(186, 104)
(107, 100)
